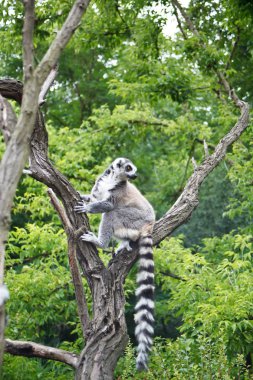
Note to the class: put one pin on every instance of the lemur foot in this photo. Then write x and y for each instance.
(124, 245)
(81, 207)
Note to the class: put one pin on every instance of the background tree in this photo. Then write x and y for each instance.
(153, 89)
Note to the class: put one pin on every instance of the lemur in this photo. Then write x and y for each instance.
(127, 216)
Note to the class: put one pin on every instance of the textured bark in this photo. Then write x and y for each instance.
(31, 349)
(76, 276)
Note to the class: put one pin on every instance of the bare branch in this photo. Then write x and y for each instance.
(230, 91)
(177, 5)
(60, 211)
(188, 200)
(76, 277)
(47, 84)
(194, 163)
(206, 148)
(172, 275)
(234, 47)
(179, 22)
(72, 22)
(28, 38)
(31, 349)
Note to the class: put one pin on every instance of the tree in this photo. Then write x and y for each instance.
(105, 333)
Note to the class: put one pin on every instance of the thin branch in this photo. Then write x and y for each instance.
(234, 47)
(28, 38)
(172, 275)
(187, 166)
(230, 91)
(188, 200)
(31, 349)
(52, 55)
(27, 260)
(47, 84)
(194, 163)
(60, 211)
(76, 277)
(179, 22)
(177, 5)
(206, 150)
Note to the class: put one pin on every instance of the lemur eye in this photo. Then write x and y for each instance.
(128, 168)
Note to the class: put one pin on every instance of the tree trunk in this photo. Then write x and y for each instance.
(108, 332)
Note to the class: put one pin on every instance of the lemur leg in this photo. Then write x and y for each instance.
(124, 245)
(104, 233)
(94, 207)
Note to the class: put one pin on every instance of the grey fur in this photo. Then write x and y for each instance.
(127, 216)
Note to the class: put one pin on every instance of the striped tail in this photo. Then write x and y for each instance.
(144, 317)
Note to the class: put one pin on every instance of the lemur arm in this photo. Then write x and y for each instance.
(104, 234)
(95, 207)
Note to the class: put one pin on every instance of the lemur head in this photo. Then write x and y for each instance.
(123, 169)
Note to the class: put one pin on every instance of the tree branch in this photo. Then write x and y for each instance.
(230, 91)
(76, 277)
(188, 200)
(72, 22)
(31, 349)
(234, 47)
(179, 22)
(28, 38)
(172, 275)
(47, 84)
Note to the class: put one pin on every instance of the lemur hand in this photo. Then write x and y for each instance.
(89, 236)
(81, 207)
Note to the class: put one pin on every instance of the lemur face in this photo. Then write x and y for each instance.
(124, 169)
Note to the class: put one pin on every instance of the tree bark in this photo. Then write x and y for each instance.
(108, 337)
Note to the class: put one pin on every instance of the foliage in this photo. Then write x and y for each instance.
(198, 358)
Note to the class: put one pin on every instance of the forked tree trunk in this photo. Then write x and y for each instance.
(108, 332)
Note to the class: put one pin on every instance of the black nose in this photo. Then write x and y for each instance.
(132, 176)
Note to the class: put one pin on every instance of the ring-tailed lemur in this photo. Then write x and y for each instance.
(127, 216)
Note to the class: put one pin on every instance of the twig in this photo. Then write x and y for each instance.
(234, 47)
(230, 91)
(188, 200)
(206, 148)
(47, 84)
(31, 349)
(76, 277)
(60, 211)
(194, 163)
(179, 22)
(172, 275)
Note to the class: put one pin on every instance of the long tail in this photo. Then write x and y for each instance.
(144, 317)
